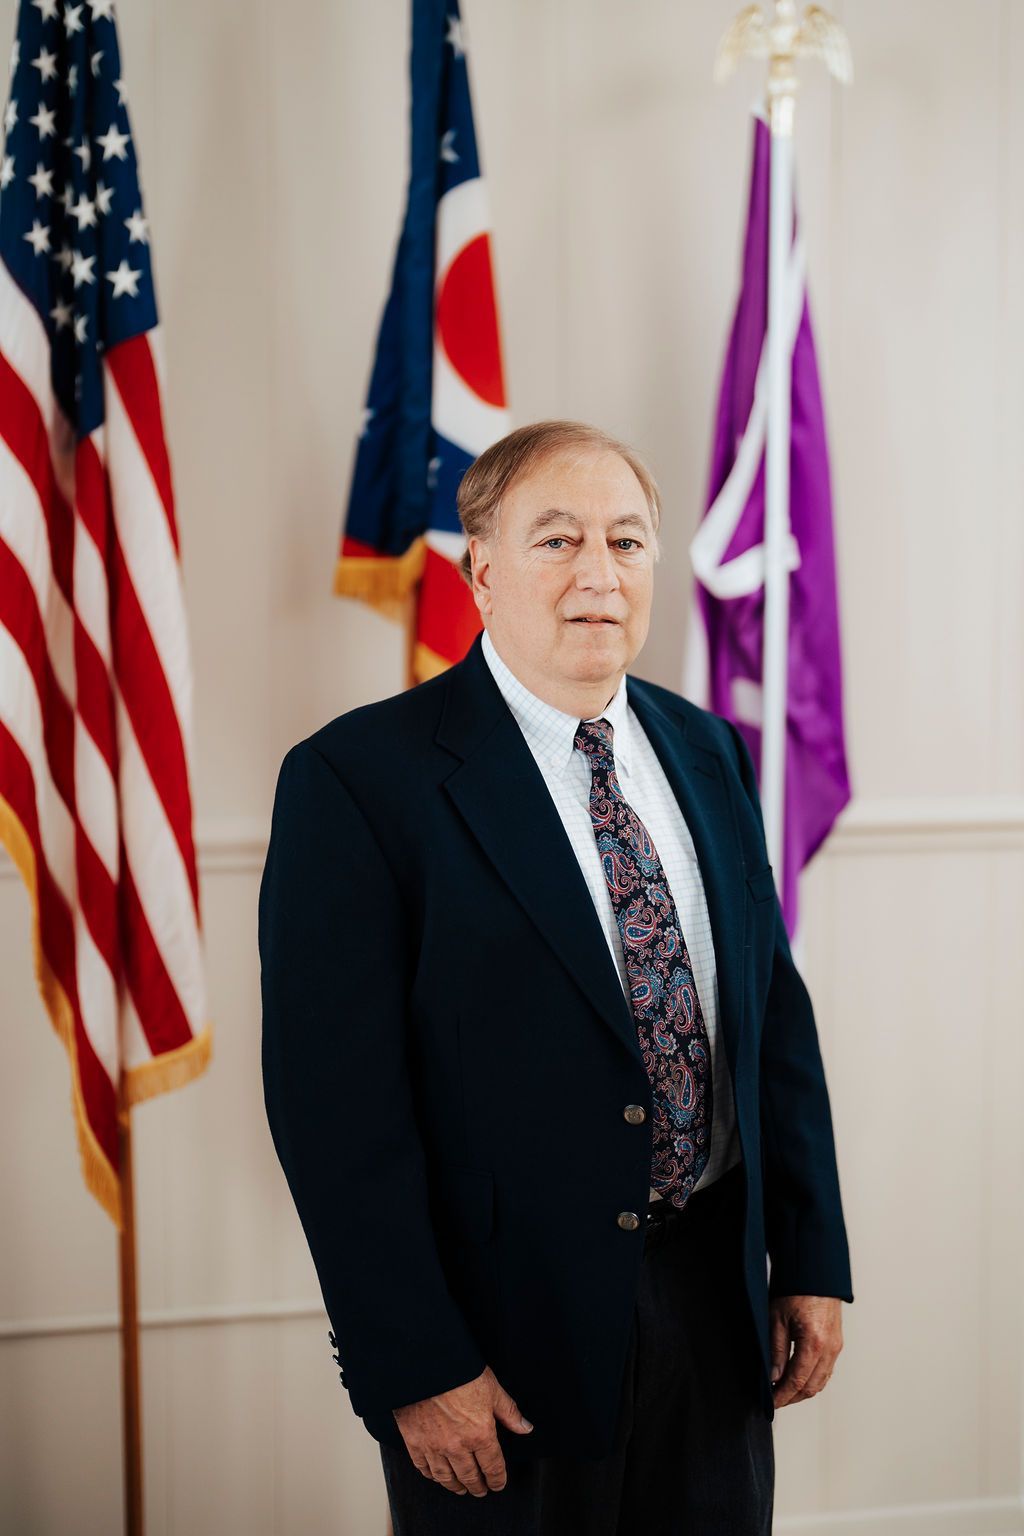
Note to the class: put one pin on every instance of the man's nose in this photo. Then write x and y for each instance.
(595, 569)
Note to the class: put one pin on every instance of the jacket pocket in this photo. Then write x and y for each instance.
(761, 883)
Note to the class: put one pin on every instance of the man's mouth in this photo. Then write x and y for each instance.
(592, 619)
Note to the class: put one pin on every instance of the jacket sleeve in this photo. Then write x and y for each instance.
(334, 966)
(804, 1226)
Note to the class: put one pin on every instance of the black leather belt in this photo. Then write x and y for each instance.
(663, 1217)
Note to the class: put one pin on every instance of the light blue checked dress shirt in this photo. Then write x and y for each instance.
(549, 734)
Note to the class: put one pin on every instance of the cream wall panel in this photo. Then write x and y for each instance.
(1007, 663)
(1001, 1393)
(328, 1469)
(908, 1071)
(60, 1452)
(915, 389)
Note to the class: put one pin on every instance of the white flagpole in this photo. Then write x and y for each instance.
(782, 38)
(774, 692)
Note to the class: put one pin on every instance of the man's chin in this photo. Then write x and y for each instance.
(595, 660)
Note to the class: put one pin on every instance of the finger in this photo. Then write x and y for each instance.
(466, 1468)
(779, 1345)
(794, 1377)
(442, 1472)
(820, 1374)
(492, 1465)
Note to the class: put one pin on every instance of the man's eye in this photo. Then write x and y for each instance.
(559, 538)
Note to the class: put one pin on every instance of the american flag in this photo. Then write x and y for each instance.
(95, 683)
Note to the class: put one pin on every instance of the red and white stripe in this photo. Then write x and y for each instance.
(95, 735)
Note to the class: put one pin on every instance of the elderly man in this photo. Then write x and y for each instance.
(540, 1070)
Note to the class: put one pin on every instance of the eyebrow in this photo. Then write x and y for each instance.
(559, 515)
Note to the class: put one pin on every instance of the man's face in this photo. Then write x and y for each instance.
(575, 543)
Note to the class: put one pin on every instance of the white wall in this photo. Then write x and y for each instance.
(273, 144)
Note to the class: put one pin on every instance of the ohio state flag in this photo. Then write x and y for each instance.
(437, 392)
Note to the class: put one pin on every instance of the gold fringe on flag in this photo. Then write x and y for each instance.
(101, 1178)
(383, 581)
(171, 1069)
(387, 584)
(428, 663)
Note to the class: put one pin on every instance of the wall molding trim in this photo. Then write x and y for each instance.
(22, 1329)
(957, 823)
(968, 1517)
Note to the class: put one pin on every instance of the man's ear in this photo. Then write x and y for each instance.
(480, 555)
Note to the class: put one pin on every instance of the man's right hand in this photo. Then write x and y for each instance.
(452, 1438)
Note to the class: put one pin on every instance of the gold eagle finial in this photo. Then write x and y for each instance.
(783, 38)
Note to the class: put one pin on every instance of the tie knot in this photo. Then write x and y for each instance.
(595, 737)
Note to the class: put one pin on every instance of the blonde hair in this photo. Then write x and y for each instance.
(511, 458)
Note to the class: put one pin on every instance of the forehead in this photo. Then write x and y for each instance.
(582, 481)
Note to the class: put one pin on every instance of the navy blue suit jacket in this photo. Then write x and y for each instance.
(447, 1053)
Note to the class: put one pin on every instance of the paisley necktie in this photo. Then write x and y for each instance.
(663, 993)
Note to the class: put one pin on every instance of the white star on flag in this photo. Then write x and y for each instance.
(113, 143)
(46, 8)
(124, 281)
(42, 180)
(81, 269)
(60, 314)
(137, 227)
(447, 151)
(7, 171)
(72, 19)
(38, 237)
(43, 122)
(456, 36)
(46, 63)
(84, 211)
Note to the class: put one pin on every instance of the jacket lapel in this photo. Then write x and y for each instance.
(500, 792)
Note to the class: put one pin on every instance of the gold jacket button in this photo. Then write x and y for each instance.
(628, 1220)
(635, 1114)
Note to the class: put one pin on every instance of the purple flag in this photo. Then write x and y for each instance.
(724, 659)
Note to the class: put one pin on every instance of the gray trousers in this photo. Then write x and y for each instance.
(694, 1451)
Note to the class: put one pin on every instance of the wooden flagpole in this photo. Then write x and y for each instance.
(130, 1397)
(410, 637)
(409, 624)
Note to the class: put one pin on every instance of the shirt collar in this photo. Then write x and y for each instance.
(550, 732)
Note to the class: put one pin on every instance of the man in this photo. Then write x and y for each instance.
(540, 1070)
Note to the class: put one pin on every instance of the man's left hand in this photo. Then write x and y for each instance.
(814, 1326)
